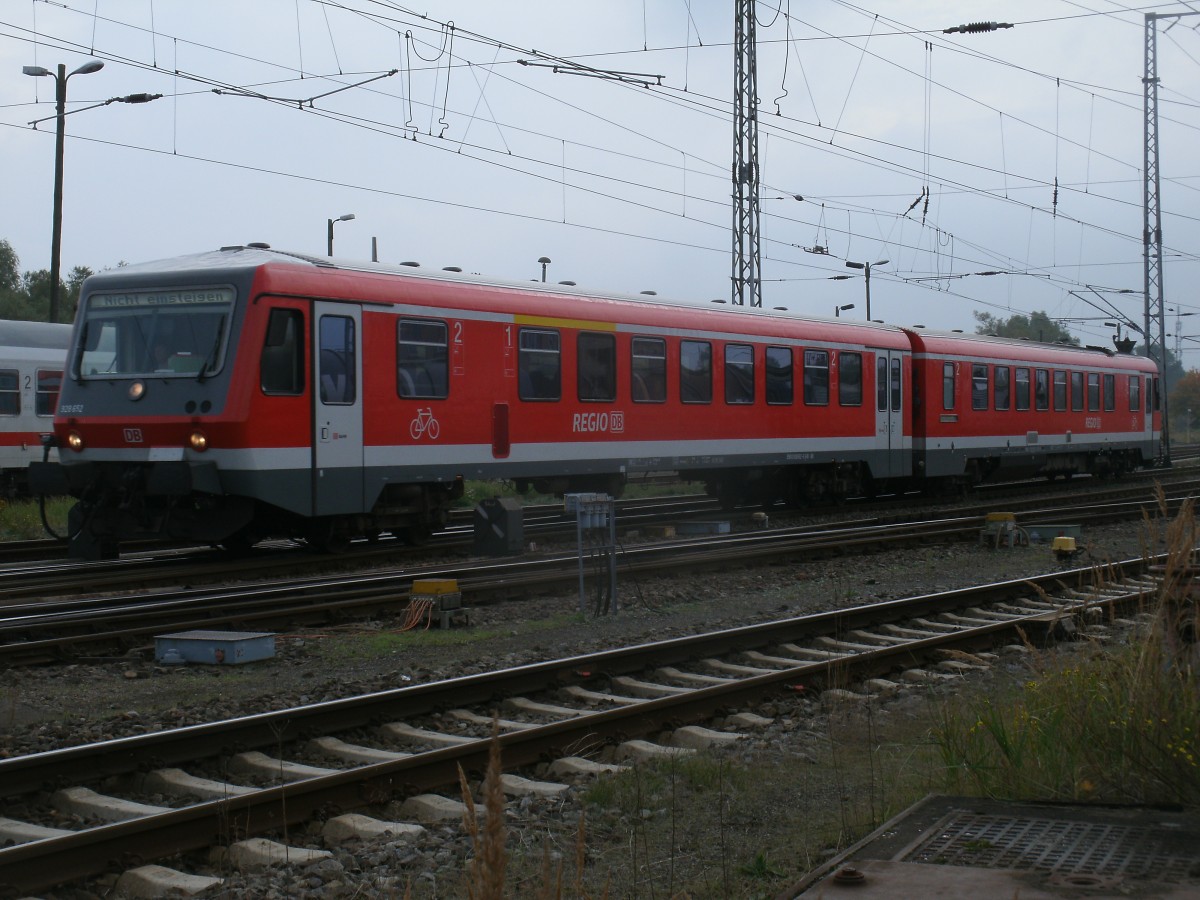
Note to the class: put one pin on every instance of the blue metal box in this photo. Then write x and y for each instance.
(219, 648)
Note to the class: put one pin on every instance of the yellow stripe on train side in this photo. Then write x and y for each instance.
(552, 322)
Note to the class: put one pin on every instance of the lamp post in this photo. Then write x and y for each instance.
(60, 102)
(838, 310)
(346, 218)
(545, 261)
(866, 267)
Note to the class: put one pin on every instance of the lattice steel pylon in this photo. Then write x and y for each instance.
(747, 257)
(1154, 320)
(1155, 314)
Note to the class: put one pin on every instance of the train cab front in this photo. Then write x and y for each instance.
(143, 407)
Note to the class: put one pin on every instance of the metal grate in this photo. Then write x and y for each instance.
(1059, 847)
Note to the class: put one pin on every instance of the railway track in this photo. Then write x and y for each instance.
(233, 781)
(42, 631)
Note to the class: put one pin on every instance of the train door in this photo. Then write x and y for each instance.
(889, 416)
(337, 409)
(1149, 399)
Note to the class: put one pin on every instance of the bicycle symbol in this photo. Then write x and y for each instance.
(424, 423)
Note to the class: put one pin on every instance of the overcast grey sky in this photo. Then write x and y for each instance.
(280, 114)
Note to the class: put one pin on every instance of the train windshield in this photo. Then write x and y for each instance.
(177, 333)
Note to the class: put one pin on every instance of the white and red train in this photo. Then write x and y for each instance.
(31, 367)
(229, 396)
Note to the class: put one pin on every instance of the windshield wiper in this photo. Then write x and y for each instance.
(211, 359)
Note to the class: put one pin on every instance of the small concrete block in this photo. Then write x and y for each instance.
(644, 751)
(919, 676)
(13, 831)
(159, 881)
(352, 753)
(697, 737)
(673, 674)
(575, 692)
(881, 687)
(648, 689)
(748, 720)
(1014, 650)
(424, 736)
(353, 826)
(255, 763)
(516, 786)
(958, 667)
(465, 715)
(178, 783)
(87, 803)
(524, 704)
(719, 665)
(259, 853)
(433, 808)
(572, 766)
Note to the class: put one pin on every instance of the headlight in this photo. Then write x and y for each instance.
(75, 440)
(198, 441)
(137, 390)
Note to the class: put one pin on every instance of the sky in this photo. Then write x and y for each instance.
(599, 135)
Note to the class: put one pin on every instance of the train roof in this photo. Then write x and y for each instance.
(34, 335)
(993, 346)
(234, 260)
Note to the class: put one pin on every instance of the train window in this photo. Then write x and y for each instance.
(739, 374)
(780, 383)
(1135, 393)
(422, 359)
(881, 383)
(1110, 393)
(1093, 392)
(539, 365)
(10, 392)
(1076, 391)
(816, 377)
(949, 388)
(1060, 390)
(337, 367)
(850, 380)
(1157, 398)
(695, 372)
(596, 367)
(979, 387)
(1022, 388)
(1041, 388)
(897, 385)
(1002, 395)
(281, 368)
(649, 363)
(46, 397)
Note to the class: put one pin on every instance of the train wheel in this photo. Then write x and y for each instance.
(239, 544)
(416, 535)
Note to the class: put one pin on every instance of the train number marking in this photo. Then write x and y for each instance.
(70, 409)
(1092, 422)
(587, 423)
(424, 423)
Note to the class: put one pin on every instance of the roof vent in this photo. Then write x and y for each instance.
(956, 330)
(451, 268)
(650, 293)
(415, 265)
(567, 283)
(259, 245)
(918, 326)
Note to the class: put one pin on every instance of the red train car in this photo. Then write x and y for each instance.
(31, 364)
(229, 396)
(988, 406)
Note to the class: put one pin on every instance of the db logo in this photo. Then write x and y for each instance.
(133, 436)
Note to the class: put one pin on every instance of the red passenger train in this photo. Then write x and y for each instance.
(230, 396)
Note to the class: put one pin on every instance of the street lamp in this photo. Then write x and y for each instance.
(545, 261)
(60, 101)
(838, 310)
(866, 267)
(346, 218)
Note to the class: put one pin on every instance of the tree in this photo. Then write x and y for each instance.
(1036, 327)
